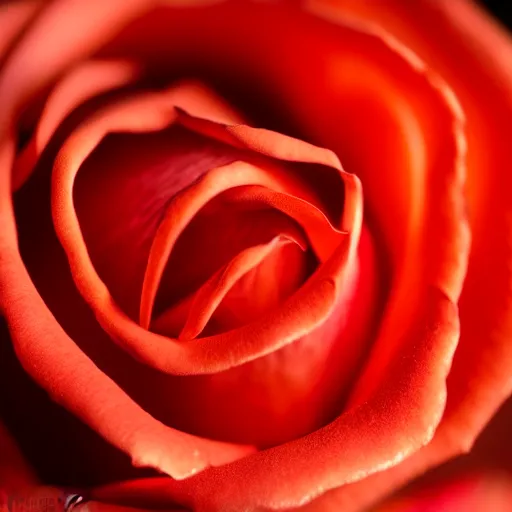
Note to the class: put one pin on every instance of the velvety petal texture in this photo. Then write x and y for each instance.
(154, 112)
(189, 270)
(310, 305)
(472, 52)
(446, 182)
(86, 81)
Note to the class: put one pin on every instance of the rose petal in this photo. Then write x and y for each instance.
(62, 33)
(78, 385)
(151, 112)
(216, 234)
(471, 492)
(120, 194)
(86, 81)
(422, 219)
(182, 209)
(258, 292)
(209, 296)
(83, 389)
(14, 17)
(473, 53)
(338, 448)
(26, 72)
(445, 352)
(323, 236)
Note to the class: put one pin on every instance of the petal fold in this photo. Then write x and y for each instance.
(210, 295)
(411, 161)
(308, 308)
(84, 82)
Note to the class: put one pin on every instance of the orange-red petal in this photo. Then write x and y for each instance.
(85, 81)
(415, 181)
(306, 309)
(210, 295)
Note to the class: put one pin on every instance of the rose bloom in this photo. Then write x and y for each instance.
(254, 256)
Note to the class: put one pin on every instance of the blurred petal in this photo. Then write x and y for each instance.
(472, 493)
(473, 53)
(14, 17)
(372, 436)
(98, 506)
(19, 487)
(84, 82)
(64, 32)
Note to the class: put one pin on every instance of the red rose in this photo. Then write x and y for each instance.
(193, 278)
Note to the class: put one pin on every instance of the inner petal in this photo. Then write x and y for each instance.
(264, 152)
(258, 295)
(183, 208)
(121, 191)
(239, 218)
(216, 235)
(263, 288)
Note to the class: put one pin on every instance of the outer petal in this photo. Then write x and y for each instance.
(62, 33)
(14, 16)
(27, 71)
(72, 379)
(341, 453)
(84, 82)
(474, 54)
(427, 235)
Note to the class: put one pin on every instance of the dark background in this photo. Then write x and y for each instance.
(502, 9)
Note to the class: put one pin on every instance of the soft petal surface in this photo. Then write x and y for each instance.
(473, 53)
(391, 396)
(14, 17)
(305, 310)
(82, 388)
(86, 81)
(422, 221)
(117, 416)
(337, 448)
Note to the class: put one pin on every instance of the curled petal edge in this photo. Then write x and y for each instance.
(305, 310)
